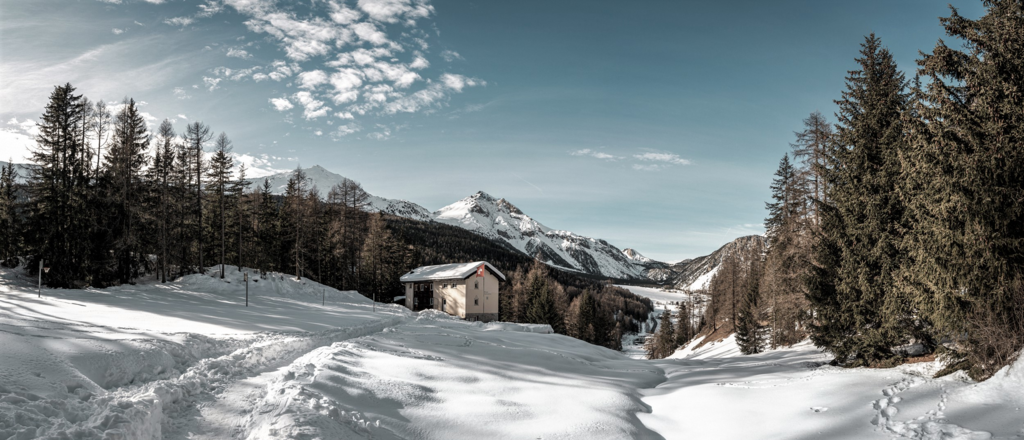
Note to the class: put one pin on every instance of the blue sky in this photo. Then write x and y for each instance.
(655, 125)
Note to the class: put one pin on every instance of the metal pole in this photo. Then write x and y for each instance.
(323, 301)
(40, 291)
(247, 289)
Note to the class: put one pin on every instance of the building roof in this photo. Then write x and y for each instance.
(447, 272)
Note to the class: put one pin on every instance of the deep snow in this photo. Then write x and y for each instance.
(187, 360)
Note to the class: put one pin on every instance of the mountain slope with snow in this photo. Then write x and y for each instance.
(500, 220)
(696, 273)
(323, 180)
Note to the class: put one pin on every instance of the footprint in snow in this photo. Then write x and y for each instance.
(819, 409)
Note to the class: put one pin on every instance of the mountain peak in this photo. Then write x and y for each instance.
(632, 254)
(483, 195)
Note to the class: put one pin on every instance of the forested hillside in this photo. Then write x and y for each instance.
(897, 231)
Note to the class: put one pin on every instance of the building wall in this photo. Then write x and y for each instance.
(455, 294)
(485, 289)
(474, 298)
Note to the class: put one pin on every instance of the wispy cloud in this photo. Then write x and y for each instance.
(117, 31)
(597, 154)
(668, 158)
(239, 53)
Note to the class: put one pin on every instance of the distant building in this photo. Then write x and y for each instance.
(467, 290)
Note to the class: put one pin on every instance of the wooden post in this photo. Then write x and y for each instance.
(40, 291)
(246, 289)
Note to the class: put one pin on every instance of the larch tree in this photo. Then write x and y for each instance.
(219, 174)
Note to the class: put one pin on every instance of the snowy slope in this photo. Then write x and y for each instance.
(188, 360)
(695, 274)
(500, 220)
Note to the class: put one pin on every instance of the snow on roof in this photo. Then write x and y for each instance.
(447, 271)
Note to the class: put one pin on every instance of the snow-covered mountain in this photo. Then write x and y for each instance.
(500, 220)
(696, 273)
(324, 180)
(24, 170)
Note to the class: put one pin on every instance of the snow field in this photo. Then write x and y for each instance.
(65, 375)
(791, 393)
(440, 378)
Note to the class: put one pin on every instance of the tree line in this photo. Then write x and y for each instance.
(899, 229)
(107, 202)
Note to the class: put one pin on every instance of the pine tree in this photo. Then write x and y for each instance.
(749, 331)
(122, 179)
(579, 321)
(663, 344)
(162, 174)
(381, 262)
(219, 173)
(196, 136)
(241, 213)
(58, 216)
(684, 326)
(542, 305)
(10, 223)
(963, 181)
(860, 312)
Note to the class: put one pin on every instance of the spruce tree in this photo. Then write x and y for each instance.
(542, 305)
(860, 312)
(963, 181)
(59, 186)
(122, 179)
(663, 344)
(162, 174)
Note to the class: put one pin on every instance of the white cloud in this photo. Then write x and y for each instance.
(319, 132)
(419, 63)
(17, 140)
(345, 130)
(179, 21)
(140, 24)
(311, 79)
(238, 53)
(652, 167)
(450, 55)
(596, 154)
(393, 11)
(312, 107)
(117, 31)
(211, 82)
(260, 77)
(281, 104)
(668, 158)
(457, 82)
(180, 93)
(182, 116)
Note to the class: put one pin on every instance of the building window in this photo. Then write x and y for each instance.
(476, 301)
(476, 284)
(444, 304)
